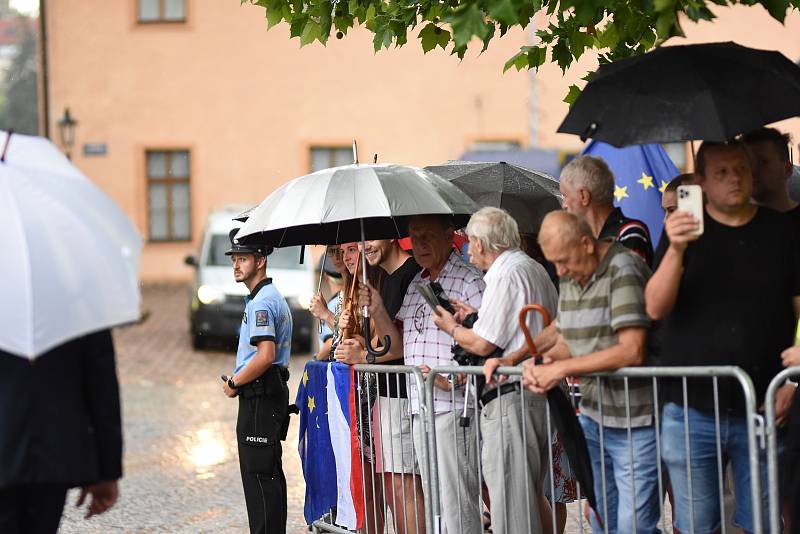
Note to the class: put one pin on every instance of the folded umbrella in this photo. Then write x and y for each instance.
(525, 194)
(70, 255)
(563, 415)
(711, 91)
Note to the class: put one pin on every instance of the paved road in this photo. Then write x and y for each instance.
(181, 464)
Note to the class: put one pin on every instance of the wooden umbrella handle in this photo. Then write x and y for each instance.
(523, 324)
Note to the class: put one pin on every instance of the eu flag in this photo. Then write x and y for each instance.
(328, 444)
(641, 172)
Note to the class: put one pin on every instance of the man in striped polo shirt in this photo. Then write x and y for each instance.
(602, 326)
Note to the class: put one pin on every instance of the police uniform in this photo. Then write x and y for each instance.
(263, 404)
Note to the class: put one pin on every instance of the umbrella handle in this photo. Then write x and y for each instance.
(523, 324)
(387, 341)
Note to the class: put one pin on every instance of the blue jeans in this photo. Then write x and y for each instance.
(623, 479)
(705, 476)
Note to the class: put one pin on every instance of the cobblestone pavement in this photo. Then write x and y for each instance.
(181, 470)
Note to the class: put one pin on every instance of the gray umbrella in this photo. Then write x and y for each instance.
(527, 195)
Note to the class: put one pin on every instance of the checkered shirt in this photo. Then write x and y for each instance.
(423, 342)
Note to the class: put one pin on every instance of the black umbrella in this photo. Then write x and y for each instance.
(710, 92)
(525, 194)
(563, 415)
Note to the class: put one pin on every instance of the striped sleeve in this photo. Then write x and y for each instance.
(627, 293)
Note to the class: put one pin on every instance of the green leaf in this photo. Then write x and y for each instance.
(488, 38)
(777, 8)
(467, 24)
(298, 25)
(562, 55)
(311, 32)
(572, 95)
(609, 37)
(578, 42)
(504, 11)
(429, 37)
(665, 24)
(518, 60)
(664, 5)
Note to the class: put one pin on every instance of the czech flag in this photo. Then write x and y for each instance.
(328, 444)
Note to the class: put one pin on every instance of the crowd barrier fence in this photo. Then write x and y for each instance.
(416, 500)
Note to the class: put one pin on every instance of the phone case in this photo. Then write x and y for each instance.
(690, 199)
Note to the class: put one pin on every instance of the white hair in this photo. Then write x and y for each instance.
(495, 228)
(590, 173)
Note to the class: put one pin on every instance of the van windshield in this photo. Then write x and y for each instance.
(281, 258)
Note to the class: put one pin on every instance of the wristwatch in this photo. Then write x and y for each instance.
(231, 383)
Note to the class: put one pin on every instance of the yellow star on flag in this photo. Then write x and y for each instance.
(305, 378)
(646, 181)
(663, 187)
(620, 192)
(311, 404)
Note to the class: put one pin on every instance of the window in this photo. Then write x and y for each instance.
(324, 157)
(494, 146)
(168, 212)
(162, 11)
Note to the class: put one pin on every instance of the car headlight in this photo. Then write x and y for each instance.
(304, 299)
(209, 294)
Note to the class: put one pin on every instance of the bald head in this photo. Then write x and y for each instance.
(568, 243)
(565, 228)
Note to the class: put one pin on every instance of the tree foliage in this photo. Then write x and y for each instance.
(614, 28)
(19, 111)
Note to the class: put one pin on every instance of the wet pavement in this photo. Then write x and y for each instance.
(181, 470)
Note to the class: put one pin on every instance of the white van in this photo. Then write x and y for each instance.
(217, 299)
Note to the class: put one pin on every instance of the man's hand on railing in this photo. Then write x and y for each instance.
(791, 356)
(440, 381)
(542, 377)
(491, 366)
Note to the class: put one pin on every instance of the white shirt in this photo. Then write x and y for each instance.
(423, 342)
(512, 281)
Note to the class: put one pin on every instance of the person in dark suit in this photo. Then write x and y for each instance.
(60, 427)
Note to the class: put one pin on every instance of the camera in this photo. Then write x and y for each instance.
(462, 357)
(683, 193)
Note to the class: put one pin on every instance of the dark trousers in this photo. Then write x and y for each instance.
(31, 509)
(261, 425)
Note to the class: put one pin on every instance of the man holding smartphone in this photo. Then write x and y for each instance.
(728, 296)
(259, 380)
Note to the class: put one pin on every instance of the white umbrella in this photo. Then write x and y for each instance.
(353, 203)
(327, 206)
(70, 257)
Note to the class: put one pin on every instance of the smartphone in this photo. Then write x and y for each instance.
(690, 199)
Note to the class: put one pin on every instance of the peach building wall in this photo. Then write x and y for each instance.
(249, 103)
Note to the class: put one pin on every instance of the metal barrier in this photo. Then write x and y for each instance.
(390, 486)
(403, 509)
(772, 446)
(457, 519)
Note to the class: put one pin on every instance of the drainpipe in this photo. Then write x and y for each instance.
(44, 81)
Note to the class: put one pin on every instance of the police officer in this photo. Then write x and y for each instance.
(259, 380)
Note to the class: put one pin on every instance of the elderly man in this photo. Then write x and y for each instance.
(512, 280)
(602, 326)
(588, 188)
(727, 297)
(423, 344)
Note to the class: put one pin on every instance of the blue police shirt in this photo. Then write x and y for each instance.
(266, 318)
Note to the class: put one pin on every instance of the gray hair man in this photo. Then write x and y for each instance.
(602, 326)
(513, 280)
(587, 185)
(424, 345)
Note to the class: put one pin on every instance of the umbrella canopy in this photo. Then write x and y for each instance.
(525, 194)
(710, 92)
(326, 207)
(70, 255)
